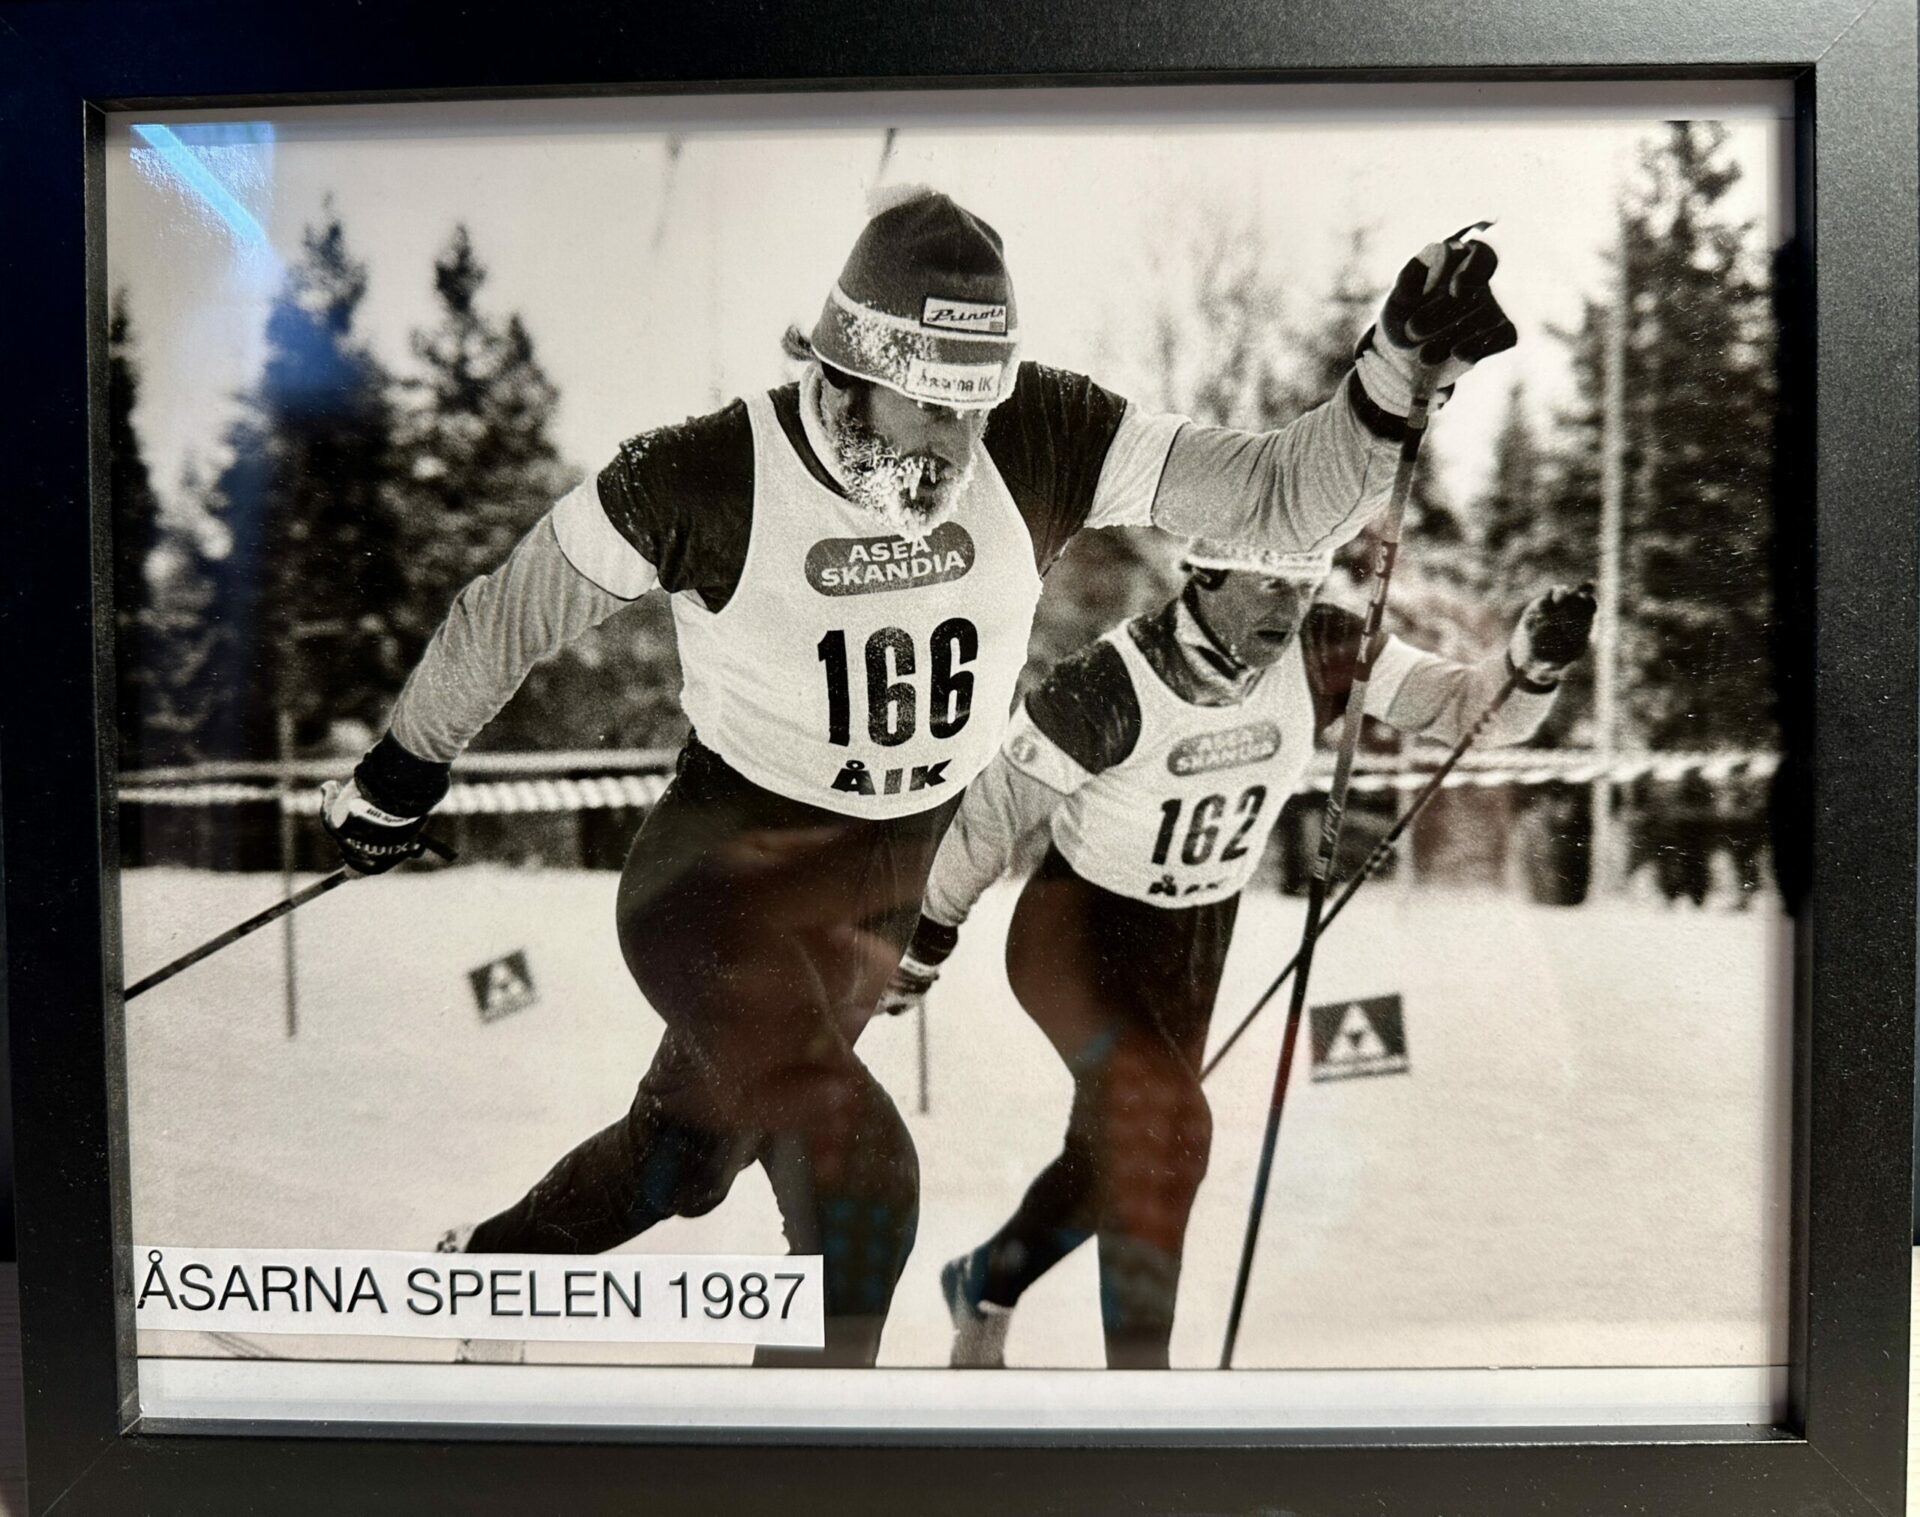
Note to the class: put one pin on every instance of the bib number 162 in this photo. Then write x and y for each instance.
(1205, 823)
(889, 663)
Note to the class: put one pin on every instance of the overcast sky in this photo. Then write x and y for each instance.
(656, 284)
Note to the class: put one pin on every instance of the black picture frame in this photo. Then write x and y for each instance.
(1851, 423)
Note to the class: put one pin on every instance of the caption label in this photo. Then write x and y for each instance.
(604, 1298)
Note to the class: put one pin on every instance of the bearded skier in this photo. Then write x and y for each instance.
(853, 562)
(1159, 758)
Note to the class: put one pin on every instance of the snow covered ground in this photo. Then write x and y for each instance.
(1587, 1164)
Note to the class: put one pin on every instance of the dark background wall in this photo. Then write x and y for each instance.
(6, 1086)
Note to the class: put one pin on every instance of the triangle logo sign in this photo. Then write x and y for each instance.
(1354, 1038)
(1355, 1041)
(502, 986)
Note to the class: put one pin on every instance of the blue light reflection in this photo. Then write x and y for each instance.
(193, 171)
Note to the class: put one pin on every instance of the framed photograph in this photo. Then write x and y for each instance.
(871, 762)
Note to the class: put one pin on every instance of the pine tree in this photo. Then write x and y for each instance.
(481, 466)
(1324, 348)
(1700, 500)
(481, 470)
(1694, 661)
(162, 591)
(136, 533)
(310, 592)
(1509, 512)
(1227, 357)
(182, 572)
(161, 587)
(1697, 510)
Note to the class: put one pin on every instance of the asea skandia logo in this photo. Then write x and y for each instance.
(865, 565)
(1251, 744)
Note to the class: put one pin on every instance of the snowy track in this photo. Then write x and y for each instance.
(1588, 1160)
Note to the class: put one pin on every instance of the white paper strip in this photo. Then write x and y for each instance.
(901, 1401)
(601, 1298)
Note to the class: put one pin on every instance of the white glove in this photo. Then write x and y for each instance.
(370, 840)
(907, 987)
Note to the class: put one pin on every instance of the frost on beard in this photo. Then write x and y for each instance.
(884, 480)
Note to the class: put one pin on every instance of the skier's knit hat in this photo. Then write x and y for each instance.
(924, 305)
(1203, 553)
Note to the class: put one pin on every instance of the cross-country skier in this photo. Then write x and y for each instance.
(853, 562)
(1159, 757)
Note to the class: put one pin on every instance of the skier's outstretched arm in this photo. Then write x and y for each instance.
(1006, 803)
(1420, 692)
(1312, 485)
(671, 510)
(1003, 806)
(1082, 719)
(500, 626)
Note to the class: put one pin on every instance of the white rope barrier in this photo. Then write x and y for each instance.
(1564, 768)
(268, 771)
(638, 789)
(613, 792)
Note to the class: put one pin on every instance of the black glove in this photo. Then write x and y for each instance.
(1440, 319)
(1551, 634)
(375, 818)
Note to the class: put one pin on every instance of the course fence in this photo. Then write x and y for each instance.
(1691, 825)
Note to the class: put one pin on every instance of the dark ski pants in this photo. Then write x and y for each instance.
(1124, 992)
(762, 931)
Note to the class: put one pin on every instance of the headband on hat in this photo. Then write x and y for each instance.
(1252, 559)
(924, 305)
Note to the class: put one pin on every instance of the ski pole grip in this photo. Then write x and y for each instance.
(437, 848)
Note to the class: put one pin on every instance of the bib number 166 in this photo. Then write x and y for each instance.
(893, 697)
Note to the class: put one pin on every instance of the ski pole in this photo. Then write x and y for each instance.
(261, 919)
(1372, 639)
(1381, 851)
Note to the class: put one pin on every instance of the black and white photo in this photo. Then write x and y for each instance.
(803, 657)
